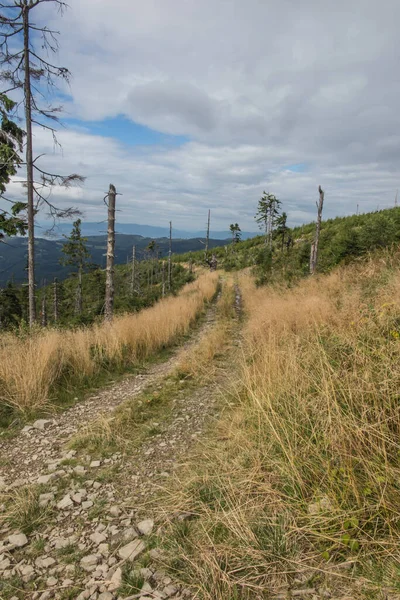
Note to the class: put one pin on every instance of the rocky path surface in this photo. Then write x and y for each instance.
(22, 458)
(94, 531)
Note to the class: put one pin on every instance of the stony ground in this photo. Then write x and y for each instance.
(86, 515)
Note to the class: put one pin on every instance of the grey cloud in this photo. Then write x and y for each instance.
(257, 86)
(175, 107)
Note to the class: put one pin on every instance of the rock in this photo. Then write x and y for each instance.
(88, 563)
(41, 424)
(51, 582)
(95, 463)
(146, 527)
(45, 479)
(115, 581)
(44, 562)
(65, 503)
(106, 596)
(45, 499)
(146, 587)
(4, 563)
(103, 549)
(3, 485)
(87, 504)
(98, 538)
(80, 470)
(115, 511)
(146, 573)
(131, 550)
(59, 543)
(170, 590)
(18, 540)
(128, 535)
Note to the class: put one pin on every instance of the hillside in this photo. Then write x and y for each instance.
(13, 254)
(259, 459)
(147, 289)
(90, 229)
(342, 239)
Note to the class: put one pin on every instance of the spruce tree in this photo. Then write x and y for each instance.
(76, 255)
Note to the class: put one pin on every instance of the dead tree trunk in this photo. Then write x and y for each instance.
(208, 236)
(314, 246)
(170, 257)
(163, 279)
(133, 272)
(29, 169)
(78, 299)
(44, 306)
(55, 300)
(109, 304)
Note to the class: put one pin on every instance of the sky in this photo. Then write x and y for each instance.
(189, 105)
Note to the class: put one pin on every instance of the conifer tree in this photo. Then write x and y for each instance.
(11, 139)
(236, 232)
(281, 228)
(27, 68)
(76, 255)
(267, 213)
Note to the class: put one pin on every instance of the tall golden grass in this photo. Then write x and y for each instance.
(32, 367)
(300, 487)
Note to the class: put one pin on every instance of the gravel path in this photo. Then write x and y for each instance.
(99, 518)
(23, 456)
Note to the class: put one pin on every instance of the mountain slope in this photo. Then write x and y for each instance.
(13, 254)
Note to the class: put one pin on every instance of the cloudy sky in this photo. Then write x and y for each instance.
(187, 105)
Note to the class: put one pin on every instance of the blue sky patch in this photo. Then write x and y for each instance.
(298, 168)
(128, 132)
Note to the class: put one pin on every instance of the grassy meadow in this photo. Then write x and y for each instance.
(298, 486)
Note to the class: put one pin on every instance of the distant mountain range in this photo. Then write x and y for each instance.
(147, 231)
(13, 254)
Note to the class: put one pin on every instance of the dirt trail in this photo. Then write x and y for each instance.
(99, 520)
(22, 457)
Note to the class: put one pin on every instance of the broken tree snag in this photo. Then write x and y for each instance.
(314, 246)
(207, 236)
(170, 258)
(133, 271)
(55, 300)
(109, 304)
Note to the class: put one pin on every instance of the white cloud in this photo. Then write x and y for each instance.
(257, 86)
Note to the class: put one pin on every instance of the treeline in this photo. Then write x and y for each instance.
(57, 301)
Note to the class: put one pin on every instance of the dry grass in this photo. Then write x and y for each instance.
(132, 421)
(31, 367)
(300, 487)
(201, 361)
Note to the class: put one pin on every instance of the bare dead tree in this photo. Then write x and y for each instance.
(163, 279)
(207, 236)
(78, 293)
(170, 257)
(314, 245)
(190, 262)
(109, 303)
(25, 48)
(44, 305)
(55, 300)
(133, 271)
